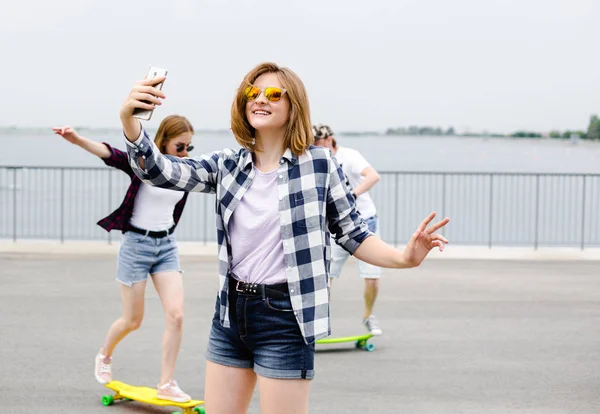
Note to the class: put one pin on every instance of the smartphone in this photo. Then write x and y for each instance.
(153, 72)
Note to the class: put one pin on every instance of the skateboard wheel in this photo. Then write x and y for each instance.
(359, 344)
(370, 347)
(107, 400)
(200, 410)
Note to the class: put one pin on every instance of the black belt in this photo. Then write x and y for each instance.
(151, 233)
(278, 290)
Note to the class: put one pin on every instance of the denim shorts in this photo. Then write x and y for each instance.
(339, 257)
(264, 335)
(141, 255)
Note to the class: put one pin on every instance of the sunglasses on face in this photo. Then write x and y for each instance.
(272, 93)
(181, 147)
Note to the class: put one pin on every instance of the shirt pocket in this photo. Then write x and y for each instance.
(306, 210)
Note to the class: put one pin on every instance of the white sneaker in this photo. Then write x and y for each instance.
(372, 325)
(171, 391)
(102, 369)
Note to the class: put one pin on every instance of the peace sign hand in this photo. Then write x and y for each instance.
(423, 240)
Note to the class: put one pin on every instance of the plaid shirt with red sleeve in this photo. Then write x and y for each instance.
(119, 219)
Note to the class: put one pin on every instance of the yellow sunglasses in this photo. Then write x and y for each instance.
(272, 93)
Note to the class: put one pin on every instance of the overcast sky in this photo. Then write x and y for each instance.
(498, 65)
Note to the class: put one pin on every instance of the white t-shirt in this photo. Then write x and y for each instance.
(153, 208)
(255, 233)
(353, 163)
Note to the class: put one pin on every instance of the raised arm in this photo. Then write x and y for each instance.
(146, 160)
(143, 95)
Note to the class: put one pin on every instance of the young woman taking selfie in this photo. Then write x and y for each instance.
(277, 200)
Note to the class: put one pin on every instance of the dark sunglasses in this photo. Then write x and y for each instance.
(181, 147)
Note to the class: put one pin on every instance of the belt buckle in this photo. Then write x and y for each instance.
(237, 287)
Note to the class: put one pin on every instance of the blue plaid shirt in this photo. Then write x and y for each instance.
(313, 200)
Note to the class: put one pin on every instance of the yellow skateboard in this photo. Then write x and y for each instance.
(359, 341)
(148, 396)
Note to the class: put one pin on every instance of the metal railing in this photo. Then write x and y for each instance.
(490, 209)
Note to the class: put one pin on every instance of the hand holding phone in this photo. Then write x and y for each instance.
(153, 72)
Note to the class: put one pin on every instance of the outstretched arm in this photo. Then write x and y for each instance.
(377, 252)
(351, 232)
(96, 148)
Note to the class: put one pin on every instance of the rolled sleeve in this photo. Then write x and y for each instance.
(138, 141)
(118, 159)
(141, 148)
(197, 174)
(346, 225)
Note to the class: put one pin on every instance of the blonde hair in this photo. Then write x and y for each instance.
(298, 133)
(171, 127)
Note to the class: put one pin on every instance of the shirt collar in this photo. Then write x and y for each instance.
(247, 158)
(288, 155)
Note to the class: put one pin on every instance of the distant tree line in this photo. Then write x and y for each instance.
(416, 130)
(592, 132)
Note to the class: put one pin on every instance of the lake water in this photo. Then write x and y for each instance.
(385, 153)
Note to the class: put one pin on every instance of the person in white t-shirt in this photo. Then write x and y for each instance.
(361, 177)
(147, 217)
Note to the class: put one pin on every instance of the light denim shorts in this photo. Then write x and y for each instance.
(339, 257)
(141, 255)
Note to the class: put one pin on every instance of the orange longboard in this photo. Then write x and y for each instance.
(147, 395)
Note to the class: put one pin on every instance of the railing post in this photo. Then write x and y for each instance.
(583, 214)
(491, 209)
(537, 211)
(62, 205)
(14, 205)
(444, 209)
(396, 218)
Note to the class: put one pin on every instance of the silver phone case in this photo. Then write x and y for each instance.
(153, 72)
